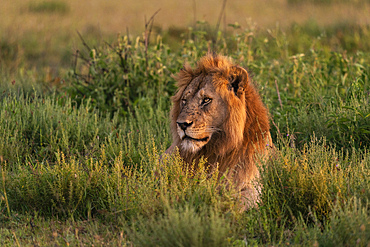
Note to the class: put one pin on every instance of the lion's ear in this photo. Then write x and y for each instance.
(238, 79)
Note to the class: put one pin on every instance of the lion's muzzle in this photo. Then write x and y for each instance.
(192, 138)
(184, 125)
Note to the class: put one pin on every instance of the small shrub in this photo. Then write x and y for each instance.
(348, 225)
(314, 178)
(10, 55)
(120, 76)
(54, 6)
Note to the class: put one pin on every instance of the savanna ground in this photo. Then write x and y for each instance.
(83, 122)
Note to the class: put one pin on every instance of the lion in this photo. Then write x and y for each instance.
(218, 114)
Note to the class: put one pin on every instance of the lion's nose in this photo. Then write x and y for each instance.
(184, 125)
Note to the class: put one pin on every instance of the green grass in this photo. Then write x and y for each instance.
(48, 7)
(80, 161)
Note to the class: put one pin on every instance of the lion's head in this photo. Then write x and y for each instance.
(218, 114)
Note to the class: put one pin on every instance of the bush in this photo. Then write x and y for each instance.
(117, 77)
(314, 178)
(348, 226)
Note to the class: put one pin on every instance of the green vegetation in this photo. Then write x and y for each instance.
(48, 7)
(79, 156)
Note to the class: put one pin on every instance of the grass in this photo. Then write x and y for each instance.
(48, 7)
(42, 34)
(80, 146)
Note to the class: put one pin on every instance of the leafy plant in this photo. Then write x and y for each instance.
(118, 76)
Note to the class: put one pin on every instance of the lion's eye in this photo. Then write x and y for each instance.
(206, 101)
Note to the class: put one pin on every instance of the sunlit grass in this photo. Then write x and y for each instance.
(80, 148)
(43, 33)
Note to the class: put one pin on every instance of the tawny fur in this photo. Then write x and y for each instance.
(243, 123)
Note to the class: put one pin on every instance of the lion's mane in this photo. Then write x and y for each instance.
(245, 131)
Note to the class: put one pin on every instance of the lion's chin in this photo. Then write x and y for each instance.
(192, 145)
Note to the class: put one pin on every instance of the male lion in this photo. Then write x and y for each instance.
(217, 114)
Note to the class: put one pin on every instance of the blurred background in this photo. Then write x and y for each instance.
(43, 33)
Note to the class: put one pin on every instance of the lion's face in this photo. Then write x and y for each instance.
(216, 111)
(202, 113)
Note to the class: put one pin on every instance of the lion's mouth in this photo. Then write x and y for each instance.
(186, 137)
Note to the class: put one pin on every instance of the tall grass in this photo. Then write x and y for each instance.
(83, 164)
(313, 91)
